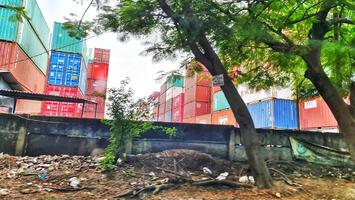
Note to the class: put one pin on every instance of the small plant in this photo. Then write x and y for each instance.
(128, 115)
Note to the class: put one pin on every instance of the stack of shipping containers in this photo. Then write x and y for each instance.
(171, 100)
(197, 98)
(154, 109)
(96, 86)
(66, 73)
(24, 47)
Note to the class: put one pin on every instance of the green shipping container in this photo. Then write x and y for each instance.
(61, 41)
(177, 81)
(219, 101)
(38, 22)
(13, 3)
(8, 25)
(32, 46)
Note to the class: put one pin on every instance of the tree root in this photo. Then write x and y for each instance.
(285, 178)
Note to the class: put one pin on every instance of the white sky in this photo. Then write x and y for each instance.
(125, 59)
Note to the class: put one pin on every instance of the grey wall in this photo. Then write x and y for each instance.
(36, 135)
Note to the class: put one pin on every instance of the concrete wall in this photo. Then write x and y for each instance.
(36, 135)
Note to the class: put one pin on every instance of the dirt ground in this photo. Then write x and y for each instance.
(19, 178)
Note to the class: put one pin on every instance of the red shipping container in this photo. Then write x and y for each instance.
(202, 79)
(178, 101)
(216, 89)
(162, 98)
(96, 87)
(224, 117)
(161, 117)
(169, 105)
(191, 120)
(21, 69)
(161, 108)
(196, 108)
(198, 93)
(315, 114)
(98, 71)
(163, 88)
(101, 56)
(178, 114)
(91, 115)
(91, 107)
(204, 119)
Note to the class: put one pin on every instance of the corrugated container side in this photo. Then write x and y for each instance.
(96, 87)
(285, 113)
(168, 116)
(178, 114)
(198, 93)
(161, 108)
(91, 107)
(98, 71)
(178, 101)
(91, 115)
(251, 95)
(262, 114)
(32, 46)
(162, 98)
(101, 56)
(161, 117)
(177, 81)
(191, 120)
(13, 3)
(8, 25)
(315, 113)
(224, 117)
(28, 107)
(14, 60)
(220, 101)
(202, 79)
(38, 22)
(194, 109)
(169, 105)
(83, 79)
(173, 92)
(204, 119)
(163, 88)
(61, 41)
(216, 89)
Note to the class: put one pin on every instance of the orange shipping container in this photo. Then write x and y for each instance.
(20, 68)
(204, 119)
(191, 120)
(224, 117)
(198, 93)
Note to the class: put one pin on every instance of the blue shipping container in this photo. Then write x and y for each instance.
(64, 69)
(274, 113)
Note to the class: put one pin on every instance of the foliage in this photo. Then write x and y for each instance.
(127, 121)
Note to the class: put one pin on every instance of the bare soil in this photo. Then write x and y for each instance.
(19, 178)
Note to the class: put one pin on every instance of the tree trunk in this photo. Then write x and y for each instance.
(340, 110)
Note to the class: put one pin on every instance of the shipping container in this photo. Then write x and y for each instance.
(198, 93)
(101, 56)
(64, 69)
(251, 95)
(191, 120)
(220, 101)
(96, 87)
(8, 25)
(196, 108)
(28, 107)
(22, 70)
(161, 108)
(174, 81)
(168, 116)
(204, 119)
(173, 92)
(274, 113)
(162, 98)
(13, 3)
(61, 41)
(163, 88)
(315, 114)
(91, 115)
(178, 114)
(32, 46)
(38, 22)
(83, 79)
(161, 117)
(91, 107)
(216, 89)
(169, 105)
(178, 101)
(98, 71)
(202, 79)
(224, 117)
(154, 96)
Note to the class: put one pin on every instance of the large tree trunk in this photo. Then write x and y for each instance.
(341, 111)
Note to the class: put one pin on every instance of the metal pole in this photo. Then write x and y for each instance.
(95, 110)
(14, 108)
(82, 110)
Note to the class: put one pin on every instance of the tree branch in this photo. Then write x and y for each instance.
(342, 21)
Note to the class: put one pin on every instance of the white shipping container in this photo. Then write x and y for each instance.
(251, 95)
(173, 92)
